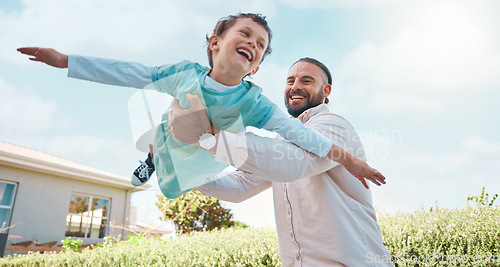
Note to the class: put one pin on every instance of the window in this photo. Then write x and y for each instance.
(7, 194)
(87, 217)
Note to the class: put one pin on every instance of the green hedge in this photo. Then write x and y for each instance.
(227, 247)
(444, 237)
(441, 237)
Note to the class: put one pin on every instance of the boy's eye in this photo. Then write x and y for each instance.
(245, 33)
(260, 45)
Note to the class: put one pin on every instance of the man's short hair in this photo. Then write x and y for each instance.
(322, 66)
(226, 23)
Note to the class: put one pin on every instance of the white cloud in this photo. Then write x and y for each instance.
(87, 24)
(423, 176)
(28, 120)
(337, 3)
(271, 78)
(257, 211)
(23, 114)
(117, 28)
(478, 145)
(472, 158)
(447, 52)
(115, 155)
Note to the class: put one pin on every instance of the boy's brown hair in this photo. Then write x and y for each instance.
(227, 22)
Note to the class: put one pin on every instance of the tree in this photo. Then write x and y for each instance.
(194, 211)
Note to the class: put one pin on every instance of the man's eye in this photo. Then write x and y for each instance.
(290, 81)
(307, 81)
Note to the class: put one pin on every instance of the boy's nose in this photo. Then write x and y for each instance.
(252, 43)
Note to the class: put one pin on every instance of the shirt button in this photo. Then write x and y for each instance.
(288, 212)
(291, 234)
(298, 257)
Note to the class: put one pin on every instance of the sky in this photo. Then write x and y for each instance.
(418, 80)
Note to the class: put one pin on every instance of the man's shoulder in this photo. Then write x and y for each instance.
(326, 117)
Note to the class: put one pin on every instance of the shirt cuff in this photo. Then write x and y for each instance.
(232, 149)
(72, 66)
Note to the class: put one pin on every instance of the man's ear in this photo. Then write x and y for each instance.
(253, 71)
(327, 89)
(213, 43)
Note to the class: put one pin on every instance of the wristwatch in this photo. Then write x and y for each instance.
(207, 141)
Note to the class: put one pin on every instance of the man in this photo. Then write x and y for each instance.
(324, 215)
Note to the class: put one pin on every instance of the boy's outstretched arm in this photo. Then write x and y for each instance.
(107, 71)
(48, 56)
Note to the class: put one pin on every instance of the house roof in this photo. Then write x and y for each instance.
(34, 160)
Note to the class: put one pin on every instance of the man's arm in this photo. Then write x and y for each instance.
(269, 159)
(100, 70)
(235, 186)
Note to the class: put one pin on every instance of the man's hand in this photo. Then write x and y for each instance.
(188, 125)
(48, 56)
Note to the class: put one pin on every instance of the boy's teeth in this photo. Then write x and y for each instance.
(249, 56)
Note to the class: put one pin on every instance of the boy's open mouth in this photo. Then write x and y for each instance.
(245, 53)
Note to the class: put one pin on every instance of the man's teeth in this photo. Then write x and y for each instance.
(296, 97)
(249, 56)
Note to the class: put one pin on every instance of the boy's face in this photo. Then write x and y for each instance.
(241, 47)
(305, 88)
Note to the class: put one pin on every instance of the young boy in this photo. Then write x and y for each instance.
(238, 45)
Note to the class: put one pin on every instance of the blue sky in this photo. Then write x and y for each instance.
(419, 81)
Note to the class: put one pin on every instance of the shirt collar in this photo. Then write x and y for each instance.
(306, 115)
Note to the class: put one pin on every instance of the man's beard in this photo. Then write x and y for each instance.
(295, 111)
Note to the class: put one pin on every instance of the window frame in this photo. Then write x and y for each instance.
(88, 217)
(11, 207)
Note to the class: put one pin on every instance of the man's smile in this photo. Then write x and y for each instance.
(296, 98)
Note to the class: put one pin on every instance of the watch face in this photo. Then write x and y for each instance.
(207, 141)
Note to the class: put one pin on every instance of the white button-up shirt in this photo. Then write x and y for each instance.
(324, 215)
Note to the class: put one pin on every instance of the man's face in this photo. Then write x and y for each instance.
(305, 88)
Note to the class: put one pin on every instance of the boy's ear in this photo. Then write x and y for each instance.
(253, 71)
(213, 42)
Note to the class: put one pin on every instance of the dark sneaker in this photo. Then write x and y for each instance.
(143, 173)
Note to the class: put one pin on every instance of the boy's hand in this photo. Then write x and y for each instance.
(48, 56)
(151, 153)
(362, 171)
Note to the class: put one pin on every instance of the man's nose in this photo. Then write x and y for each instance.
(295, 86)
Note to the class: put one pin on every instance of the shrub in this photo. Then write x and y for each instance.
(71, 244)
(444, 237)
(227, 247)
(440, 237)
(194, 211)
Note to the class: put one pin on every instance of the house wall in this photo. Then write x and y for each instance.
(42, 203)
